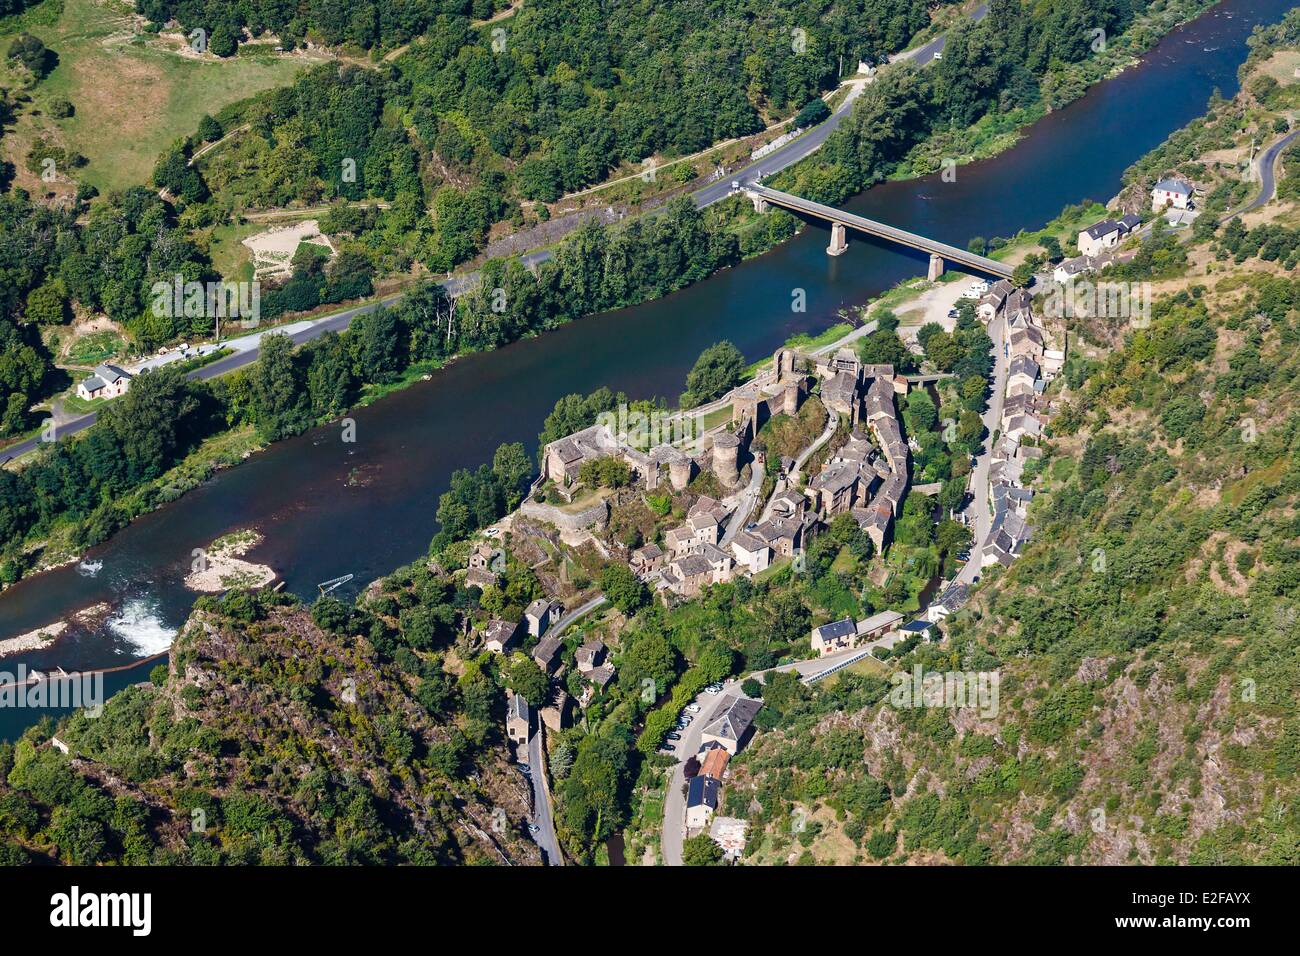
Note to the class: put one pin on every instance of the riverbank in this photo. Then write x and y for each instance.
(755, 237)
(410, 444)
(42, 638)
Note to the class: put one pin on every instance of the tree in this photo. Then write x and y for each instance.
(815, 112)
(47, 304)
(30, 52)
(209, 129)
(701, 849)
(719, 369)
(224, 41)
(524, 677)
(624, 590)
(279, 406)
(512, 468)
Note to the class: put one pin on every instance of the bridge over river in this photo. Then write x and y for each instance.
(940, 252)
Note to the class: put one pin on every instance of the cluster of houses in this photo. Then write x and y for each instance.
(1097, 246)
(501, 637)
(866, 476)
(726, 730)
(869, 481)
(1033, 362)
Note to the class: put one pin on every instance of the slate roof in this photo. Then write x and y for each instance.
(837, 629)
(732, 718)
(702, 791)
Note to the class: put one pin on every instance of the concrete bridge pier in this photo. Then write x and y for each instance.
(839, 244)
(760, 204)
(936, 268)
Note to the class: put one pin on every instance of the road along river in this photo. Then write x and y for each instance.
(328, 508)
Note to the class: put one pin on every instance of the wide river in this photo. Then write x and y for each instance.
(327, 508)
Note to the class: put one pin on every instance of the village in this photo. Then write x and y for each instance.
(726, 514)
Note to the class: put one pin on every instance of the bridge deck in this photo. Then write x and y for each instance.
(961, 257)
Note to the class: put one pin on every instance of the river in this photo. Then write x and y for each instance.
(329, 508)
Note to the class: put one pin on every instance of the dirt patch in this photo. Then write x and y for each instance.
(273, 250)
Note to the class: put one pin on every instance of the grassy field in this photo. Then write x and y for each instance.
(132, 93)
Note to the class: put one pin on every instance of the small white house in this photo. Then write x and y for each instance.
(109, 381)
(499, 635)
(1171, 192)
(751, 553)
(701, 801)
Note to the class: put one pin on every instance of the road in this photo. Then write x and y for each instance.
(543, 815)
(543, 811)
(247, 353)
(774, 162)
(1267, 175)
(979, 508)
(575, 614)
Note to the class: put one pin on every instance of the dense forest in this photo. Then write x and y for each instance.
(468, 123)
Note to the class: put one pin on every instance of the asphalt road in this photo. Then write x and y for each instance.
(1267, 173)
(223, 366)
(543, 813)
(774, 162)
(979, 507)
(543, 817)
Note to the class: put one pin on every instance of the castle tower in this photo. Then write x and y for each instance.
(726, 452)
(679, 472)
(790, 398)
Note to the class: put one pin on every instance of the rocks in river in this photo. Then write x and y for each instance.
(220, 567)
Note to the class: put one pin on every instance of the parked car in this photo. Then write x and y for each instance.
(534, 828)
(674, 736)
(492, 532)
(692, 708)
(525, 769)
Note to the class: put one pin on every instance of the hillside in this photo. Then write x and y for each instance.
(1145, 642)
(273, 739)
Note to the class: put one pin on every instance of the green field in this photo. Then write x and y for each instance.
(95, 348)
(133, 94)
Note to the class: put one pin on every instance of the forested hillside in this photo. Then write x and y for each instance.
(282, 736)
(469, 122)
(1145, 641)
(995, 76)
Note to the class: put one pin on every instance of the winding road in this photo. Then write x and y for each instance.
(1267, 175)
(543, 810)
(789, 154)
